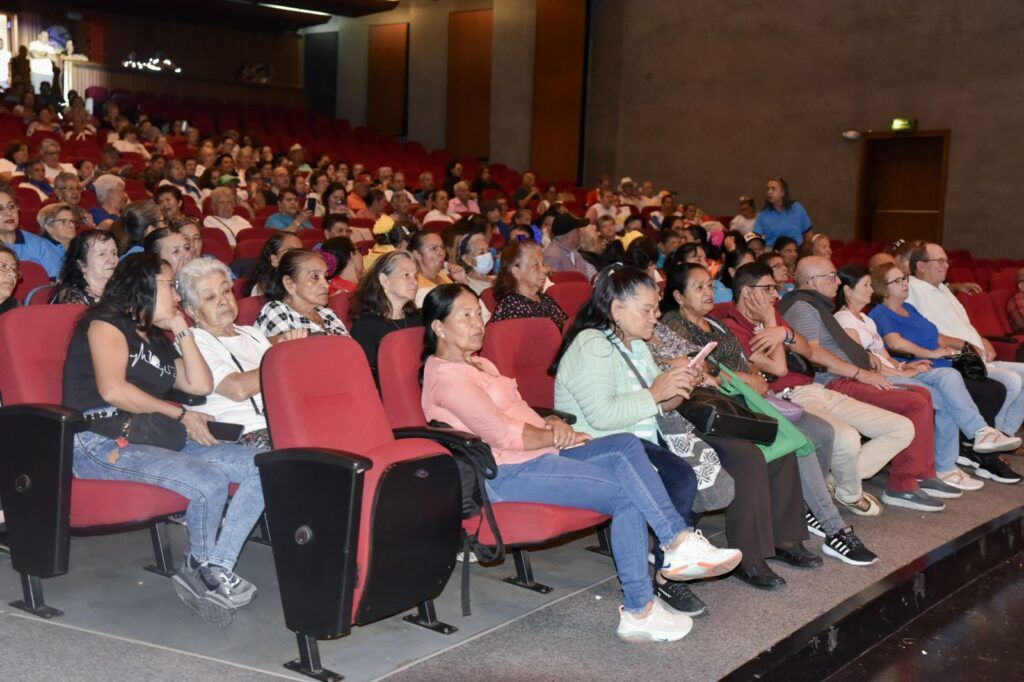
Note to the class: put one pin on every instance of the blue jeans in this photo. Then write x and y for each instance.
(610, 475)
(1010, 375)
(200, 473)
(955, 411)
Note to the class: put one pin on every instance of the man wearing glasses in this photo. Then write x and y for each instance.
(933, 299)
(849, 369)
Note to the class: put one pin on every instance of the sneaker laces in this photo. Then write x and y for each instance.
(850, 538)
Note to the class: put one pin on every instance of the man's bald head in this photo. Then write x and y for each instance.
(810, 267)
(881, 259)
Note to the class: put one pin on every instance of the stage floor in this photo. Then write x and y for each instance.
(123, 623)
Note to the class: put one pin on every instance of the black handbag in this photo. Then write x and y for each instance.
(153, 428)
(715, 414)
(970, 364)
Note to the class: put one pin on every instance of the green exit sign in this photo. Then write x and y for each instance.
(903, 123)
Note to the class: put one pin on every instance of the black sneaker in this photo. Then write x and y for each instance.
(678, 597)
(847, 547)
(991, 466)
(814, 527)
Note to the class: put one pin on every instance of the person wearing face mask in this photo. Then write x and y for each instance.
(384, 303)
(298, 298)
(390, 236)
(90, 262)
(477, 259)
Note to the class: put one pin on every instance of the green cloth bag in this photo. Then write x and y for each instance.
(788, 439)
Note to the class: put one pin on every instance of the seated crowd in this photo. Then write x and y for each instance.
(858, 367)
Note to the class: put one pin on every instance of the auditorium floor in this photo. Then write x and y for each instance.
(120, 620)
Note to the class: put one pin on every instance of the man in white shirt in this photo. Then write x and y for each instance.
(398, 185)
(934, 300)
(49, 152)
(744, 222)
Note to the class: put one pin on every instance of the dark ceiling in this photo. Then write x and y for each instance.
(242, 14)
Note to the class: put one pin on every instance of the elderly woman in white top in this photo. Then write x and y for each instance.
(222, 214)
(232, 352)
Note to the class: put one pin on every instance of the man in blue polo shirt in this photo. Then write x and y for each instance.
(27, 246)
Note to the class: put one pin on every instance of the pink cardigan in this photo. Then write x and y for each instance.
(482, 402)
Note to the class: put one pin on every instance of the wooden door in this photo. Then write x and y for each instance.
(469, 83)
(902, 189)
(387, 79)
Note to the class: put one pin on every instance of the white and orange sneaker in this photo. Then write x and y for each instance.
(659, 625)
(696, 558)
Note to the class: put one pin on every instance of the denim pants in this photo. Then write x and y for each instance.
(1010, 375)
(955, 411)
(610, 475)
(200, 473)
(812, 471)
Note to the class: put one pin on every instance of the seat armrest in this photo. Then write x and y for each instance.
(549, 412)
(448, 437)
(182, 398)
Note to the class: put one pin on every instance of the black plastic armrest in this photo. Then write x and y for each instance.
(550, 412)
(59, 413)
(1003, 339)
(342, 458)
(448, 437)
(182, 398)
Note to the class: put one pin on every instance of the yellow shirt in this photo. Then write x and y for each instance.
(376, 252)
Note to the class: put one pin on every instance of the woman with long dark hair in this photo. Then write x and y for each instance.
(266, 266)
(595, 382)
(120, 365)
(547, 461)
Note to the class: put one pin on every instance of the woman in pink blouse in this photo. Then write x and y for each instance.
(546, 461)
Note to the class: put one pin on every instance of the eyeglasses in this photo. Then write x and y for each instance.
(65, 221)
(9, 208)
(830, 276)
(12, 270)
(899, 280)
(942, 261)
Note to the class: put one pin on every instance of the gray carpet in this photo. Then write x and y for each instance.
(40, 650)
(575, 639)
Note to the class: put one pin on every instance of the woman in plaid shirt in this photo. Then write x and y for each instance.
(298, 298)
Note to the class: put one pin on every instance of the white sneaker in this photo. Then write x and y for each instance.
(697, 558)
(958, 479)
(660, 625)
(993, 440)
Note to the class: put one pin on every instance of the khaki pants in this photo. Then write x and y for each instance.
(889, 433)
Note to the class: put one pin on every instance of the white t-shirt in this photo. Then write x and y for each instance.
(741, 224)
(435, 215)
(52, 173)
(8, 167)
(248, 347)
(230, 226)
(867, 333)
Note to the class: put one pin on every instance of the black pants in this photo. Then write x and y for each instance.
(988, 395)
(768, 510)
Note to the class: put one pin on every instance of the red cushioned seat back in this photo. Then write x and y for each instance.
(249, 309)
(1004, 280)
(33, 346)
(1000, 299)
(399, 372)
(524, 349)
(567, 276)
(33, 275)
(982, 314)
(319, 393)
(570, 296)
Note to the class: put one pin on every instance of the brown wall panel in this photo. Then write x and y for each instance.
(558, 71)
(469, 82)
(386, 78)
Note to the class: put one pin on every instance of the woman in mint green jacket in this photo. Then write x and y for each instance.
(595, 383)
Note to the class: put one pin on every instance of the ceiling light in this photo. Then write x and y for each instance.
(300, 10)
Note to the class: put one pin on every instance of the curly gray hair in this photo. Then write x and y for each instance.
(197, 270)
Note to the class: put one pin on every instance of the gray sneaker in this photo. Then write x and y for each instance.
(209, 604)
(915, 499)
(228, 584)
(936, 487)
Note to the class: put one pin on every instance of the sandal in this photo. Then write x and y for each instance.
(867, 505)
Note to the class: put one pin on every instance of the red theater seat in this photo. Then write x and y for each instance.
(524, 349)
(37, 445)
